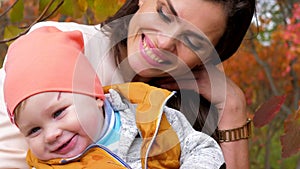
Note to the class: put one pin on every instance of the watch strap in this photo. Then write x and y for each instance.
(235, 134)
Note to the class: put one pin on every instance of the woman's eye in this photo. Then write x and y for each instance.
(193, 44)
(33, 131)
(162, 15)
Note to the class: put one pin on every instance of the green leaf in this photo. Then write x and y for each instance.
(90, 2)
(74, 8)
(11, 31)
(44, 3)
(67, 7)
(16, 13)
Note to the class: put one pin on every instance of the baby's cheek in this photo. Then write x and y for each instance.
(91, 124)
(93, 129)
(37, 148)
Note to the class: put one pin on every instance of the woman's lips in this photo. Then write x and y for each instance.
(67, 146)
(150, 54)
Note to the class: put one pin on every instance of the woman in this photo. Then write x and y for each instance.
(163, 24)
(165, 47)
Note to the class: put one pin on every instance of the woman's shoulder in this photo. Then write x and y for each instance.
(90, 33)
(67, 26)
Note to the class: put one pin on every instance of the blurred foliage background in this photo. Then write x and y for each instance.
(266, 67)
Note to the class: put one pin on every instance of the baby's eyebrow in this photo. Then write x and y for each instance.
(59, 94)
(24, 128)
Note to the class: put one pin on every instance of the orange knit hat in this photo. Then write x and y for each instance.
(46, 60)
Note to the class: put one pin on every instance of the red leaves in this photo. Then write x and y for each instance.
(290, 141)
(292, 33)
(267, 111)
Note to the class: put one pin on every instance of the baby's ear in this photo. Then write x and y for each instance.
(100, 102)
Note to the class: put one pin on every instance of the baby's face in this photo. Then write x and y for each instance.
(60, 125)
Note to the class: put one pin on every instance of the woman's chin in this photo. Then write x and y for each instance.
(150, 73)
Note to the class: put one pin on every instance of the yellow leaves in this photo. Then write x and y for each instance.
(83, 5)
(104, 8)
(74, 8)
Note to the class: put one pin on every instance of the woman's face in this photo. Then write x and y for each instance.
(60, 125)
(173, 36)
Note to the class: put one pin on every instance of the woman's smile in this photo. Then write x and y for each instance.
(151, 54)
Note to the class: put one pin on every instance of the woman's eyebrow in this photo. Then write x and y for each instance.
(172, 8)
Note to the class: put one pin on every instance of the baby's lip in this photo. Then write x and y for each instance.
(61, 146)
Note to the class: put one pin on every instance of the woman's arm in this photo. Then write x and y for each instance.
(13, 147)
(236, 153)
(232, 115)
(229, 99)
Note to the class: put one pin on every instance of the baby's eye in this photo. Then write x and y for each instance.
(58, 113)
(33, 131)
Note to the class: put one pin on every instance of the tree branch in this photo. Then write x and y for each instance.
(267, 71)
(52, 12)
(266, 68)
(8, 9)
(295, 85)
(40, 18)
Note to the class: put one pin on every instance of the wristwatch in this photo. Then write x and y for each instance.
(235, 134)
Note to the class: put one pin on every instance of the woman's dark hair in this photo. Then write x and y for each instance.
(117, 26)
(239, 12)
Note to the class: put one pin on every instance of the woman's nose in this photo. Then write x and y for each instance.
(166, 42)
(52, 134)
